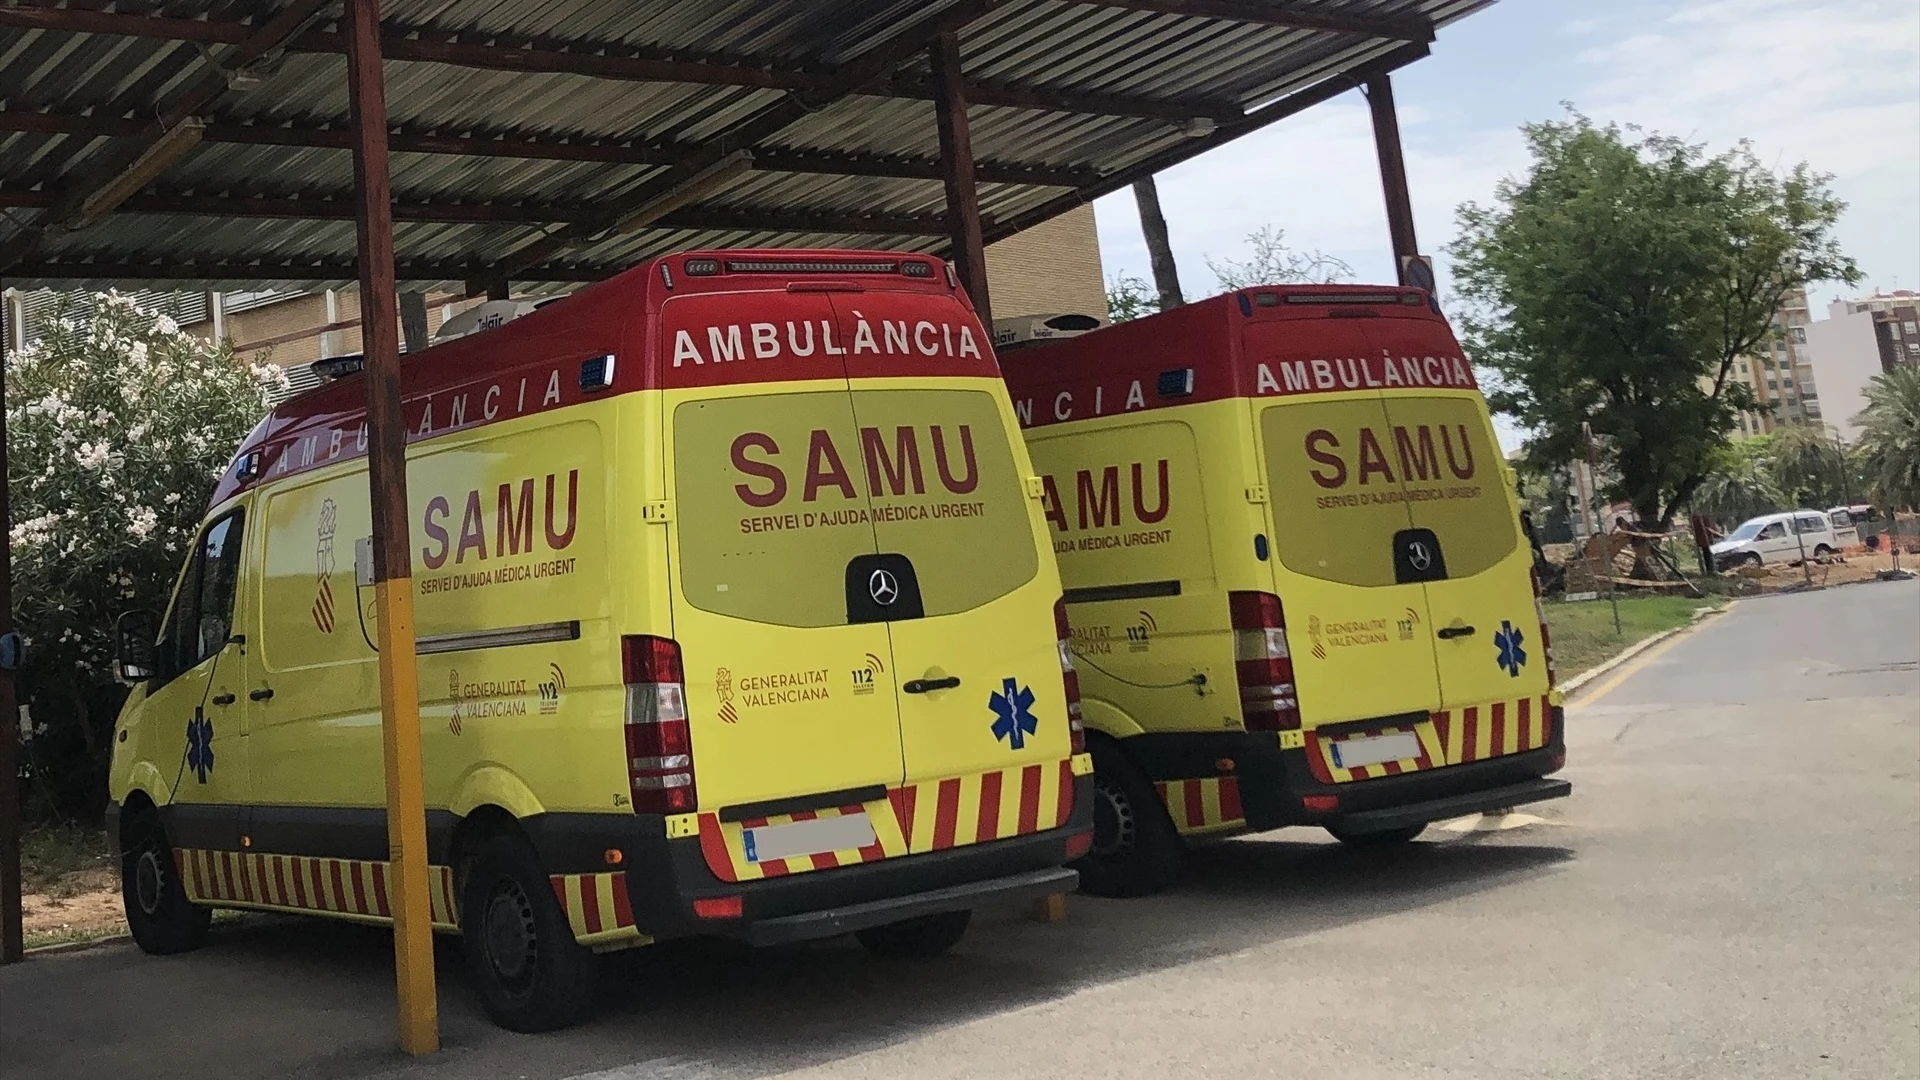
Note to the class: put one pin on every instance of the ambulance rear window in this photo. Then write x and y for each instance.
(776, 493)
(940, 476)
(1333, 519)
(1347, 474)
(1453, 479)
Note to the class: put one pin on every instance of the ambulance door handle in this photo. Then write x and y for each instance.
(223, 699)
(922, 686)
(261, 694)
(1448, 632)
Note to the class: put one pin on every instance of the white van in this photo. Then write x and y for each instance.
(1773, 539)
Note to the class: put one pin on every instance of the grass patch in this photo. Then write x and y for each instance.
(69, 935)
(54, 858)
(1583, 635)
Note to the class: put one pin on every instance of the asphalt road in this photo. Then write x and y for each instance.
(1731, 892)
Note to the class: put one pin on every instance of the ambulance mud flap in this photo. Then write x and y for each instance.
(1473, 802)
(832, 921)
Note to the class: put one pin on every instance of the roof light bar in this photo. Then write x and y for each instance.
(1353, 298)
(809, 266)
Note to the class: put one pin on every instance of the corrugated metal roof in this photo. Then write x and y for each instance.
(75, 86)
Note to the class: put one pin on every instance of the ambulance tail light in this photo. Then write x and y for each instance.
(1546, 639)
(659, 742)
(1070, 676)
(1268, 701)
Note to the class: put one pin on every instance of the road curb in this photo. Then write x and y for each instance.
(1573, 686)
(77, 946)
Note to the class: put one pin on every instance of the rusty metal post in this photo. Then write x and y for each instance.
(1393, 172)
(956, 165)
(392, 569)
(12, 942)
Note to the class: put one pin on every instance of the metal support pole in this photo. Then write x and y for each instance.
(392, 570)
(1393, 172)
(12, 942)
(1606, 548)
(956, 163)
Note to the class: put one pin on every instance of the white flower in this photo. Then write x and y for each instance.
(171, 498)
(165, 325)
(138, 350)
(141, 521)
(91, 455)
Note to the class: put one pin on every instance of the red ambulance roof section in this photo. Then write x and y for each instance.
(532, 364)
(1261, 342)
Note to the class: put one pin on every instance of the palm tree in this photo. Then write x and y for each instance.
(1890, 437)
(1738, 486)
(1809, 465)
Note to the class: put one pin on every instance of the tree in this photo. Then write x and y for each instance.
(1153, 226)
(118, 424)
(1890, 437)
(1618, 283)
(1809, 466)
(1128, 298)
(1274, 263)
(1739, 484)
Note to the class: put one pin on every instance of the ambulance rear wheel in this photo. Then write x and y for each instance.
(1378, 838)
(1136, 851)
(916, 939)
(159, 915)
(531, 973)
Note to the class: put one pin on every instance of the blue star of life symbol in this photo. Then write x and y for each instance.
(1011, 720)
(1508, 641)
(200, 745)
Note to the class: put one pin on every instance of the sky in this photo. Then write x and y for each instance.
(1835, 83)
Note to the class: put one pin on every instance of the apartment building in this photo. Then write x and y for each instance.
(1780, 373)
(1859, 339)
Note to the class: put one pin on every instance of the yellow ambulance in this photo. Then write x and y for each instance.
(1298, 589)
(735, 617)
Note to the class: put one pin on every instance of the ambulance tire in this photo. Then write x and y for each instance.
(1379, 837)
(1136, 851)
(921, 938)
(159, 915)
(531, 973)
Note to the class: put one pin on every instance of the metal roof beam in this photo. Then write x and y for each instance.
(171, 133)
(548, 148)
(1290, 14)
(610, 60)
(869, 65)
(193, 268)
(339, 207)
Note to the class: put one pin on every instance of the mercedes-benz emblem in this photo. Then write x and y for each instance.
(882, 586)
(1418, 555)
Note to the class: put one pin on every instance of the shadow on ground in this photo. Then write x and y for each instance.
(292, 997)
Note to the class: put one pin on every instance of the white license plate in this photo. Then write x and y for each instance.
(1374, 749)
(816, 837)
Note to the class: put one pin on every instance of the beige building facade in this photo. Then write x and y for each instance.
(1780, 374)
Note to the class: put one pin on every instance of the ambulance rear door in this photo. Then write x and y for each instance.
(1485, 630)
(977, 670)
(788, 696)
(1349, 562)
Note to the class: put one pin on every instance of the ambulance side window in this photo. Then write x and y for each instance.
(203, 614)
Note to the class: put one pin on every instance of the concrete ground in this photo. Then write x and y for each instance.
(1731, 892)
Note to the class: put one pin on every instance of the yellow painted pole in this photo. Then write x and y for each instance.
(392, 568)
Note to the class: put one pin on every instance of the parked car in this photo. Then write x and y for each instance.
(1777, 538)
